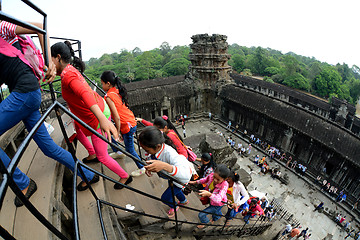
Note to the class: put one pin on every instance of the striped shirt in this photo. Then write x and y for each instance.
(7, 32)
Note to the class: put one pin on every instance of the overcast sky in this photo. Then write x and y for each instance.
(327, 30)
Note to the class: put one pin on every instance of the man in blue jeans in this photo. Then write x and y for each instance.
(23, 105)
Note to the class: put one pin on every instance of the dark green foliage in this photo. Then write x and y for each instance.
(137, 65)
(298, 81)
(290, 69)
(237, 61)
(177, 66)
(299, 72)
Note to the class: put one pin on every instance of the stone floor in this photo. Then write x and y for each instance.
(299, 197)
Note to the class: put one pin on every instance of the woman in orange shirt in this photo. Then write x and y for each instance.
(123, 117)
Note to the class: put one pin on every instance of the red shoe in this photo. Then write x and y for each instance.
(171, 212)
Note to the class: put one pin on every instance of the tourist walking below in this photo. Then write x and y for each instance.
(229, 125)
(319, 207)
(287, 229)
(23, 104)
(87, 105)
(116, 98)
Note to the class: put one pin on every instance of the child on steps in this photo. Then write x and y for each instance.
(166, 158)
(215, 190)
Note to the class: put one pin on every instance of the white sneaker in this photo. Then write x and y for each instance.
(138, 172)
(117, 154)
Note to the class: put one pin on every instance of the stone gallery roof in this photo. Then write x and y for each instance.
(154, 90)
(281, 89)
(325, 132)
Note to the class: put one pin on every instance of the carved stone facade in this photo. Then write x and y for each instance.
(209, 58)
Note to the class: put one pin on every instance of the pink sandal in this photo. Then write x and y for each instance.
(171, 212)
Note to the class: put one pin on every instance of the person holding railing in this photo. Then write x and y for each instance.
(237, 196)
(23, 104)
(254, 210)
(164, 124)
(164, 157)
(123, 117)
(87, 105)
(214, 194)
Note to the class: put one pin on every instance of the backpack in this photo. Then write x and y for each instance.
(29, 54)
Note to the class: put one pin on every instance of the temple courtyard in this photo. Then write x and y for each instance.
(299, 197)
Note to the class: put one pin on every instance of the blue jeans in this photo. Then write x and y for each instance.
(167, 196)
(247, 217)
(129, 145)
(231, 213)
(210, 210)
(25, 107)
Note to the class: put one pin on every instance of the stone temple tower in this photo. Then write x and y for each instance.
(209, 58)
(209, 70)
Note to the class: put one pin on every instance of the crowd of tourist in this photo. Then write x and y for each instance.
(330, 189)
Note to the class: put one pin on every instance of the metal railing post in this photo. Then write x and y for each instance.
(171, 184)
(138, 143)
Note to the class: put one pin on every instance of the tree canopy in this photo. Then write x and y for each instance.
(290, 69)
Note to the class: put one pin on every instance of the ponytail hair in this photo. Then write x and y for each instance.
(234, 176)
(151, 137)
(114, 80)
(208, 157)
(162, 122)
(67, 54)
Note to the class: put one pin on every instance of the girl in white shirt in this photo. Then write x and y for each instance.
(237, 196)
(166, 158)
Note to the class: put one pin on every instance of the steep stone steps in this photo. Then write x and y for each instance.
(47, 173)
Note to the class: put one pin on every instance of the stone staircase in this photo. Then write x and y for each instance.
(54, 200)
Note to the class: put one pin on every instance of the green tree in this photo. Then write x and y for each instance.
(237, 62)
(291, 65)
(136, 52)
(260, 62)
(354, 89)
(106, 59)
(180, 52)
(178, 66)
(314, 70)
(344, 71)
(297, 81)
(328, 81)
(165, 48)
(272, 71)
